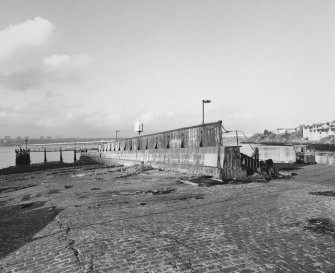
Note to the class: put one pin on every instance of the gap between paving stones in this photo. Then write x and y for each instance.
(70, 243)
(186, 261)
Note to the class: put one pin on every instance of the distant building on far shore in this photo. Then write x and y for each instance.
(285, 130)
(319, 130)
(280, 130)
(6, 140)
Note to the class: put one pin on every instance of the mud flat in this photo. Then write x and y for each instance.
(42, 167)
(94, 218)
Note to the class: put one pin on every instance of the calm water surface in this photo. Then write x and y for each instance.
(276, 153)
(286, 154)
(7, 157)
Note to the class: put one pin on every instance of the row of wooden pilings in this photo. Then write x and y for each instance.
(252, 162)
(60, 155)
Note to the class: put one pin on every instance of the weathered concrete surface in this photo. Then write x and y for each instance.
(220, 162)
(178, 158)
(89, 220)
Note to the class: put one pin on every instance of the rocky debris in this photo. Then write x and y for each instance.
(285, 174)
(186, 197)
(198, 176)
(135, 170)
(323, 193)
(80, 174)
(162, 191)
(52, 208)
(268, 171)
(259, 177)
(26, 205)
(201, 181)
(54, 191)
(26, 197)
(98, 179)
(11, 189)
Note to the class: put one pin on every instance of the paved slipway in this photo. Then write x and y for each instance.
(89, 219)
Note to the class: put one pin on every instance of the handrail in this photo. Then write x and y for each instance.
(247, 140)
(227, 131)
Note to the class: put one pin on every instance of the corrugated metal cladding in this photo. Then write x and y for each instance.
(207, 135)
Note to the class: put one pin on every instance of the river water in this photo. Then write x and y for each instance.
(286, 154)
(7, 156)
(276, 153)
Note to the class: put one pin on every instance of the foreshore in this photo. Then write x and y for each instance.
(42, 167)
(95, 218)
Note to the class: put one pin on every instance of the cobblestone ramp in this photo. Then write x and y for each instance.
(99, 222)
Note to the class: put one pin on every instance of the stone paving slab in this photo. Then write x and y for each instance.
(92, 220)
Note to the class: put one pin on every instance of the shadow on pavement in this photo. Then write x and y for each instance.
(323, 226)
(19, 223)
(289, 166)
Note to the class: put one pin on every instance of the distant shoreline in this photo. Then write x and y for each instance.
(318, 146)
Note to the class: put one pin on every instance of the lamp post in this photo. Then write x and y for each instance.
(203, 110)
(116, 131)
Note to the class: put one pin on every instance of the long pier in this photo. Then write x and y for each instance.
(42, 150)
(76, 147)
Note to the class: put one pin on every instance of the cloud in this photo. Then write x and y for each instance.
(149, 116)
(24, 79)
(66, 62)
(31, 33)
(3, 114)
(56, 61)
(56, 69)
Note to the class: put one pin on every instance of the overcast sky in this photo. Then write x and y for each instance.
(87, 68)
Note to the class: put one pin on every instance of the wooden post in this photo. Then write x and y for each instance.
(45, 156)
(60, 155)
(257, 157)
(75, 158)
(236, 138)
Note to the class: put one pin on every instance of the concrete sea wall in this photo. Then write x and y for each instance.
(220, 162)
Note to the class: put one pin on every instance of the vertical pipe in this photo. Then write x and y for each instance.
(203, 115)
(236, 138)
